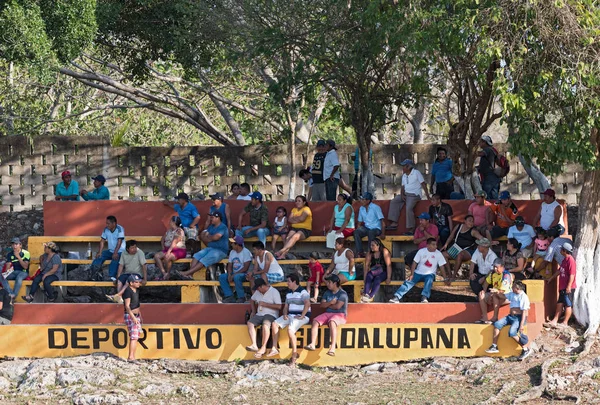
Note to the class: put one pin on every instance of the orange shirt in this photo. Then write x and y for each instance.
(504, 214)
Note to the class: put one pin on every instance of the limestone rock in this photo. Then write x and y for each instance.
(372, 367)
(14, 369)
(444, 363)
(157, 389)
(104, 398)
(94, 376)
(197, 367)
(475, 365)
(187, 391)
(38, 381)
(4, 384)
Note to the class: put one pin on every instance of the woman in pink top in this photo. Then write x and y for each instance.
(482, 214)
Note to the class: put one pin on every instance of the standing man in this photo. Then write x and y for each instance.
(265, 305)
(490, 182)
(239, 262)
(318, 180)
(19, 259)
(370, 223)
(441, 215)
(6, 307)
(506, 212)
(410, 195)
(67, 190)
(441, 174)
(259, 219)
(425, 231)
(550, 214)
(190, 218)
(567, 284)
(114, 236)
(331, 171)
(133, 314)
(100, 191)
(524, 234)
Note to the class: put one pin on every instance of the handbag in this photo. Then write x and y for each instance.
(454, 250)
(377, 270)
(331, 237)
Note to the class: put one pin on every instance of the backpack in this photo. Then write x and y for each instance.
(501, 163)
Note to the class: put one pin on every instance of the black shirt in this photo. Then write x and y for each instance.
(487, 162)
(135, 298)
(439, 215)
(317, 168)
(7, 308)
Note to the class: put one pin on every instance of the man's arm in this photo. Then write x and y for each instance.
(24, 263)
(144, 274)
(120, 270)
(240, 217)
(101, 248)
(424, 187)
(524, 316)
(536, 220)
(557, 215)
(195, 221)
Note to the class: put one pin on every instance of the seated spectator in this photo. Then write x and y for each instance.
(300, 221)
(513, 259)
(482, 214)
(173, 248)
(378, 265)
(523, 233)
(461, 244)
(567, 283)
(483, 258)
(114, 236)
(500, 282)
(238, 264)
(265, 266)
(424, 231)
(554, 252)
(506, 212)
(335, 303)
(424, 268)
(517, 319)
(50, 271)
(244, 192)
(342, 262)
(6, 307)
(67, 189)
(132, 261)
(550, 214)
(190, 218)
(280, 226)
(370, 223)
(216, 240)
(296, 313)
(316, 276)
(100, 191)
(265, 305)
(259, 219)
(441, 174)
(220, 206)
(19, 259)
(441, 215)
(541, 244)
(410, 194)
(342, 220)
(235, 192)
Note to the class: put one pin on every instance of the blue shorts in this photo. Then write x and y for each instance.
(348, 276)
(513, 320)
(566, 298)
(272, 277)
(209, 256)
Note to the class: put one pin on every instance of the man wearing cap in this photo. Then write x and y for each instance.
(331, 171)
(490, 182)
(484, 259)
(424, 231)
(114, 236)
(441, 174)
(133, 314)
(567, 284)
(500, 283)
(482, 214)
(525, 234)
(370, 223)
(67, 189)
(259, 218)
(190, 218)
(219, 206)
(100, 191)
(18, 258)
(506, 212)
(238, 264)
(216, 239)
(265, 305)
(550, 214)
(410, 194)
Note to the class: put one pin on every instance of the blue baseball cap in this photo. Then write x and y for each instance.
(257, 196)
(100, 178)
(425, 215)
(406, 162)
(133, 278)
(366, 196)
(505, 195)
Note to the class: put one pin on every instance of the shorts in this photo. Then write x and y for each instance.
(275, 278)
(209, 256)
(541, 253)
(337, 317)
(133, 329)
(123, 277)
(265, 320)
(527, 253)
(179, 253)
(566, 298)
(306, 232)
(348, 276)
(346, 232)
(292, 322)
(470, 250)
(280, 232)
(313, 277)
(513, 320)
(191, 233)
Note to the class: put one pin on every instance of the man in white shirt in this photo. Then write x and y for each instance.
(265, 304)
(550, 214)
(424, 267)
(484, 258)
(244, 192)
(523, 233)
(331, 171)
(239, 262)
(410, 194)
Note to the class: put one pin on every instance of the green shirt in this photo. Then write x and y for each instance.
(257, 215)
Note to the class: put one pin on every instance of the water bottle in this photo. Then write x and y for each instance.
(89, 251)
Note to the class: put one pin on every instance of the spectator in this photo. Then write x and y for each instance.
(100, 191)
(19, 259)
(424, 232)
(235, 192)
(316, 276)
(220, 206)
(244, 192)
(517, 319)
(441, 174)
(67, 190)
(296, 313)
(482, 214)
(461, 243)
(238, 264)
(506, 213)
(132, 261)
(483, 258)
(424, 268)
(379, 269)
(370, 223)
(554, 251)
(190, 218)
(567, 283)
(335, 303)
(301, 225)
(490, 182)
(542, 243)
(318, 191)
(513, 259)
(114, 236)
(280, 226)
(306, 175)
(265, 266)
(410, 194)
(133, 314)
(259, 219)
(331, 171)
(342, 262)
(523, 233)
(550, 214)
(342, 219)
(441, 215)
(6, 307)
(50, 271)
(499, 282)
(265, 305)
(173, 248)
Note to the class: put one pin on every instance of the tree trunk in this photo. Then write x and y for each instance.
(541, 181)
(417, 123)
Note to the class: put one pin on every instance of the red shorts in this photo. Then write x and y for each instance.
(313, 277)
(346, 232)
(134, 329)
(327, 317)
(179, 253)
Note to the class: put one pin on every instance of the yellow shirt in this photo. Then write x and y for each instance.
(498, 282)
(307, 223)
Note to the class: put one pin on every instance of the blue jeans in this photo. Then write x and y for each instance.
(513, 320)
(427, 279)
(360, 233)
(261, 233)
(18, 276)
(444, 233)
(48, 289)
(113, 267)
(238, 279)
(209, 256)
(491, 186)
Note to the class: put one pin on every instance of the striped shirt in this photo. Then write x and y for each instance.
(295, 301)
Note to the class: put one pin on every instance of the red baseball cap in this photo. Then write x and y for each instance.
(65, 174)
(549, 192)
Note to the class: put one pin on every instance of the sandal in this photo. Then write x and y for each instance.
(251, 348)
(27, 298)
(273, 353)
(258, 355)
(313, 300)
(482, 322)
(310, 348)
(112, 298)
(331, 353)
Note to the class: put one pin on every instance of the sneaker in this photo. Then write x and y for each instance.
(524, 354)
(493, 349)
(424, 300)
(241, 300)
(113, 279)
(395, 300)
(229, 300)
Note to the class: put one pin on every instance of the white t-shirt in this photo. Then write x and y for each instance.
(244, 197)
(331, 161)
(520, 301)
(412, 182)
(238, 260)
(547, 215)
(270, 297)
(428, 262)
(485, 265)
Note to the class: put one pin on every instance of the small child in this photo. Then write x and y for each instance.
(541, 247)
(316, 275)
(280, 226)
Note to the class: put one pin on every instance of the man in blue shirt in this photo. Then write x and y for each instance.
(114, 236)
(100, 191)
(189, 216)
(370, 223)
(525, 234)
(67, 190)
(19, 260)
(216, 238)
(441, 174)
